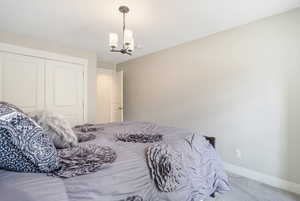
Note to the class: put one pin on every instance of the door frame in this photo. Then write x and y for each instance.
(14, 49)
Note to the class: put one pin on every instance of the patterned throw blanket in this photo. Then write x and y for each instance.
(166, 167)
(86, 132)
(83, 159)
(133, 198)
(139, 138)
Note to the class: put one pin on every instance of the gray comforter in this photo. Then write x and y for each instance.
(129, 175)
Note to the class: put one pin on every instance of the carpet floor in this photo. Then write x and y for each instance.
(243, 189)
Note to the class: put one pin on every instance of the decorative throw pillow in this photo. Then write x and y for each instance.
(166, 167)
(57, 128)
(24, 145)
(9, 105)
(11, 157)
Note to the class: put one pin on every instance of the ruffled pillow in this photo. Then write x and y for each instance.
(24, 146)
(166, 167)
(57, 128)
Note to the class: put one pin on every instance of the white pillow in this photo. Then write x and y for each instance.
(58, 128)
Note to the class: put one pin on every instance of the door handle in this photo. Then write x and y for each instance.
(120, 108)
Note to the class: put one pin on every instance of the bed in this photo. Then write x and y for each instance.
(127, 178)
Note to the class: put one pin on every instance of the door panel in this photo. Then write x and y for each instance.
(64, 90)
(104, 95)
(64, 87)
(22, 81)
(109, 96)
(117, 97)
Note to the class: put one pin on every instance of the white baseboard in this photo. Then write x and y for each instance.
(263, 178)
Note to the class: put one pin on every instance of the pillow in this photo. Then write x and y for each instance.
(9, 105)
(24, 146)
(11, 157)
(57, 128)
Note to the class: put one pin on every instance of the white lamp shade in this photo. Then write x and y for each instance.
(128, 37)
(131, 45)
(113, 40)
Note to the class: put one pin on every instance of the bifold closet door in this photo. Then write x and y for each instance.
(64, 90)
(22, 81)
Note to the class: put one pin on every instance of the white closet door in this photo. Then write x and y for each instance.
(22, 81)
(64, 90)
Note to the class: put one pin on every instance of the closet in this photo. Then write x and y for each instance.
(38, 82)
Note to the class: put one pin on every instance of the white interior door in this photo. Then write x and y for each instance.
(104, 95)
(65, 90)
(109, 96)
(117, 97)
(22, 81)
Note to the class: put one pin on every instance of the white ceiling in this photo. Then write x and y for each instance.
(157, 24)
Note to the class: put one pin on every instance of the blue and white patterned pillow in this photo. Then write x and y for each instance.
(24, 146)
(11, 157)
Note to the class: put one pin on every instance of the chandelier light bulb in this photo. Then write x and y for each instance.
(131, 45)
(113, 40)
(128, 37)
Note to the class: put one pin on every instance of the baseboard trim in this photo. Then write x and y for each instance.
(263, 178)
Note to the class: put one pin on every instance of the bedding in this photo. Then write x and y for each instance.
(133, 198)
(139, 138)
(24, 146)
(86, 128)
(129, 176)
(166, 167)
(86, 132)
(6, 104)
(11, 157)
(83, 159)
(84, 137)
(57, 128)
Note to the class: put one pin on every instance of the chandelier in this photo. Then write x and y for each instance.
(128, 41)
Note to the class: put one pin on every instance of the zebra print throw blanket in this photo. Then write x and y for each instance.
(86, 132)
(133, 198)
(83, 159)
(139, 138)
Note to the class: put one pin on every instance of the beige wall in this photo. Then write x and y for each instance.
(57, 48)
(241, 85)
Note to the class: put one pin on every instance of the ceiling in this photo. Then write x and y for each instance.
(157, 24)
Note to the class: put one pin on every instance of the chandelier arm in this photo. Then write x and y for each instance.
(123, 51)
(128, 53)
(115, 50)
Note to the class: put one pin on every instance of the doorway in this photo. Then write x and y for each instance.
(109, 96)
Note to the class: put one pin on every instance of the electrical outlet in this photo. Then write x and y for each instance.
(238, 153)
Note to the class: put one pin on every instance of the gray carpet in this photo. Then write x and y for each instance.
(244, 189)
